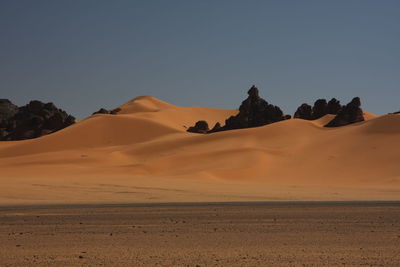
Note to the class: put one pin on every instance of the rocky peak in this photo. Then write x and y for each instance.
(351, 113)
(320, 109)
(253, 112)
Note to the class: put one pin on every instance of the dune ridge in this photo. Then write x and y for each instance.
(146, 146)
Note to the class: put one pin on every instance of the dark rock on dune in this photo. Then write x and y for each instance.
(101, 111)
(287, 117)
(34, 120)
(106, 111)
(216, 128)
(320, 109)
(115, 111)
(200, 127)
(334, 106)
(350, 113)
(254, 111)
(304, 112)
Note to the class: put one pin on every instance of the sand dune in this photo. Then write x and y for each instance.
(146, 152)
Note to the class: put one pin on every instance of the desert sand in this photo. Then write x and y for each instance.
(144, 154)
(258, 234)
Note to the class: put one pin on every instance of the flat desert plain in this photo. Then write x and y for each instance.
(228, 234)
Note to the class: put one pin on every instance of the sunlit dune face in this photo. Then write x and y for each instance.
(147, 144)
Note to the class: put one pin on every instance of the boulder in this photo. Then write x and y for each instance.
(106, 111)
(287, 117)
(101, 111)
(349, 114)
(200, 127)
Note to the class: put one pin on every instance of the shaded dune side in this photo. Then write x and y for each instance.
(294, 151)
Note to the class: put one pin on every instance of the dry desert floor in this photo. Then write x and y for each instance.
(230, 234)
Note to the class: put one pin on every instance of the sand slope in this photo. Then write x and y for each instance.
(145, 154)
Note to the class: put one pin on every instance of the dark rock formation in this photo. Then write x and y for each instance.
(101, 111)
(106, 111)
(320, 109)
(216, 128)
(334, 106)
(200, 127)
(350, 113)
(33, 120)
(7, 109)
(115, 111)
(304, 112)
(253, 112)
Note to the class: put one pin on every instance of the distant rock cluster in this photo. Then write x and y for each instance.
(320, 109)
(32, 120)
(253, 112)
(345, 115)
(106, 111)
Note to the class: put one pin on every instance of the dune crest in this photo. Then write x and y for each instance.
(144, 104)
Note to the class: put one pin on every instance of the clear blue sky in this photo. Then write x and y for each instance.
(83, 55)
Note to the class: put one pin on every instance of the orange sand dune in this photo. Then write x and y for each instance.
(144, 154)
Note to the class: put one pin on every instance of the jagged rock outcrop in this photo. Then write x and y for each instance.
(254, 111)
(34, 120)
(7, 109)
(320, 109)
(200, 127)
(106, 111)
(350, 113)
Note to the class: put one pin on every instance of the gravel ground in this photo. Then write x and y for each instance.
(230, 234)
